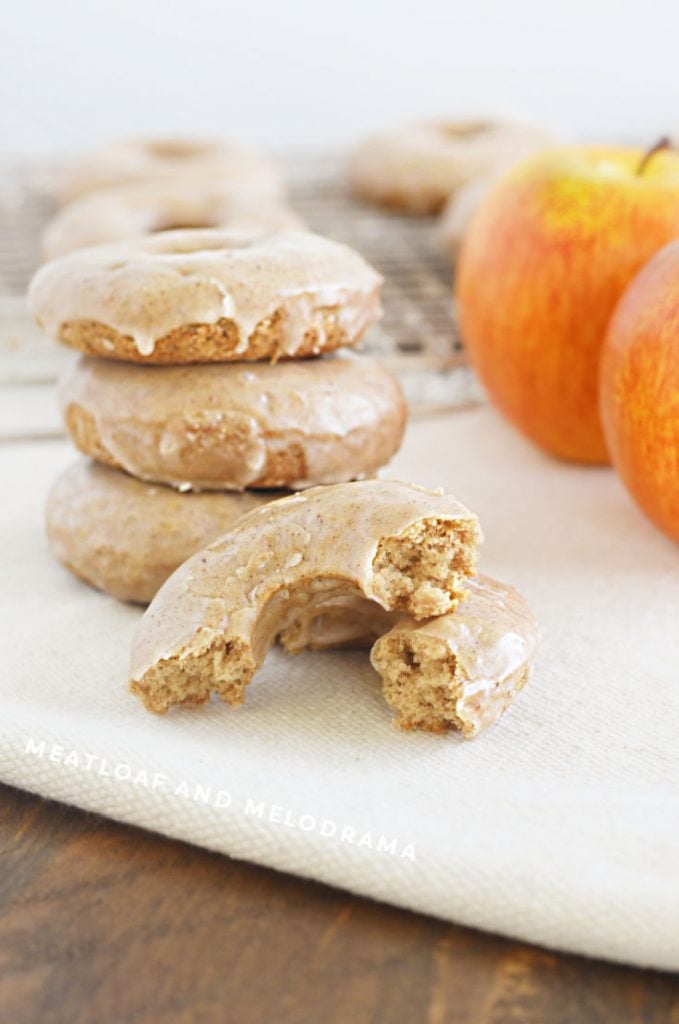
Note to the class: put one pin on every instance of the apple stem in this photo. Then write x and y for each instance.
(660, 145)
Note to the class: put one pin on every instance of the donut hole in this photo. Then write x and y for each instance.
(174, 149)
(343, 620)
(464, 130)
(189, 224)
(317, 613)
(186, 241)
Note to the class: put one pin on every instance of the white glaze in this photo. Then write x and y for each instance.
(220, 425)
(151, 286)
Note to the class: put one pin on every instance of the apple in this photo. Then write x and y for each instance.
(544, 262)
(639, 388)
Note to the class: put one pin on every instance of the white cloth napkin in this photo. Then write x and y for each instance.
(560, 825)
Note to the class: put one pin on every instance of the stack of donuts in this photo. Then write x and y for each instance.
(209, 380)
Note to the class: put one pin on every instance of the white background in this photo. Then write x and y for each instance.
(307, 73)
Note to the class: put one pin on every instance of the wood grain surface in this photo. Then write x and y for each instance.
(101, 923)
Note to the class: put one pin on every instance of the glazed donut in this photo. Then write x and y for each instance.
(416, 168)
(126, 537)
(458, 213)
(156, 160)
(208, 296)
(210, 625)
(232, 425)
(117, 214)
(463, 669)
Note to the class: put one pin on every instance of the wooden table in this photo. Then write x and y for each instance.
(102, 923)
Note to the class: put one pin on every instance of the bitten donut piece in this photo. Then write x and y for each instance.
(168, 160)
(142, 208)
(207, 296)
(210, 626)
(232, 426)
(416, 167)
(126, 537)
(463, 669)
(458, 671)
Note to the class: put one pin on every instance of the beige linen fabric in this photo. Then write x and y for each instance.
(560, 825)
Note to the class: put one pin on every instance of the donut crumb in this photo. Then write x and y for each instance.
(222, 341)
(423, 571)
(223, 667)
(420, 681)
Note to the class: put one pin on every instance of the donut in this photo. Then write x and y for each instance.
(207, 296)
(210, 625)
(458, 212)
(227, 426)
(416, 167)
(461, 670)
(126, 537)
(157, 160)
(141, 208)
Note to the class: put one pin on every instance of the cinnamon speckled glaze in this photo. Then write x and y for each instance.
(208, 296)
(233, 425)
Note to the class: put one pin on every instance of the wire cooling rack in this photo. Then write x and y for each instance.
(417, 336)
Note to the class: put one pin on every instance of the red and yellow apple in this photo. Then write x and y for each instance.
(544, 262)
(639, 389)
